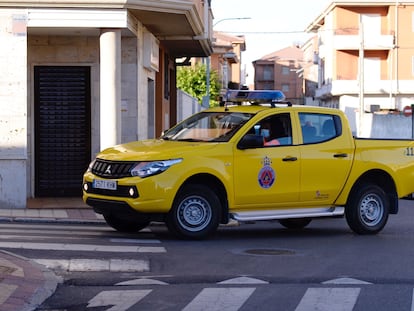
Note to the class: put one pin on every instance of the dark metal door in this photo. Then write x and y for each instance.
(62, 129)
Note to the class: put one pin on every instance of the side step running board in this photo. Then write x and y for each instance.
(289, 213)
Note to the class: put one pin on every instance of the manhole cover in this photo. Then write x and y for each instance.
(273, 252)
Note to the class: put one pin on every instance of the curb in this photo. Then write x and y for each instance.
(31, 283)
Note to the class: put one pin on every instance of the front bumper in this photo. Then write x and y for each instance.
(121, 191)
(121, 209)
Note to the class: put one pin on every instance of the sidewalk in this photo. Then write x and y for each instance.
(24, 284)
(66, 215)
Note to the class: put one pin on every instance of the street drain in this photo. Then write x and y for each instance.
(273, 252)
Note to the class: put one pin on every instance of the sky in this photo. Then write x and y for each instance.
(271, 25)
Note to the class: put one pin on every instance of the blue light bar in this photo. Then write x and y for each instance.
(257, 96)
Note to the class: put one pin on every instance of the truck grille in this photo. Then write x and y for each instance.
(112, 169)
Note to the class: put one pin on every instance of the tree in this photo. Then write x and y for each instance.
(193, 80)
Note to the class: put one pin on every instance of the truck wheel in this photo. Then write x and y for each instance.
(295, 223)
(125, 225)
(195, 213)
(367, 209)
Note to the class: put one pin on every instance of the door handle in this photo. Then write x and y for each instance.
(290, 159)
(340, 155)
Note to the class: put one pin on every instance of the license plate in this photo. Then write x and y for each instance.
(104, 184)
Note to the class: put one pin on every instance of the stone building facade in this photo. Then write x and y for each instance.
(77, 77)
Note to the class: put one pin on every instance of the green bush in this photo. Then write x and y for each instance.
(193, 80)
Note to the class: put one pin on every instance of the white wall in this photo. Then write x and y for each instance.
(13, 108)
(186, 105)
(375, 125)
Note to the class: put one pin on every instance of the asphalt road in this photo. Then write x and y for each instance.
(258, 266)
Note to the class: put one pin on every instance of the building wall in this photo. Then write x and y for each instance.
(405, 41)
(78, 50)
(388, 59)
(13, 108)
(124, 78)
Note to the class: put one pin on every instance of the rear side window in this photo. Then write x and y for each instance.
(318, 127)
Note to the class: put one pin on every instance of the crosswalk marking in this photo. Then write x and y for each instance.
(136, 241)
(225, 298)
(63, 230)
(121, 300)
(219, 299)
(412, 302)
(74, 229)
(141, 281)
(83, 247)
(51, 235)
(347, 281)
(243, 280)
(96, 265)
(227, 295)
(15, 236)
(329, 299)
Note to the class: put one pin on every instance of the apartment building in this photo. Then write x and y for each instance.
(77, 77)
(281, 70)
(365, 59)
(226, 59)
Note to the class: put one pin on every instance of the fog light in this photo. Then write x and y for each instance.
(85, 187)
(131, 192)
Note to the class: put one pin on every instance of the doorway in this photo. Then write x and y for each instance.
(62, 105)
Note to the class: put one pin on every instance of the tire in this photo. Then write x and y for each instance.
(367, 209)
(195, 213)
(125, 225)
(295, 223)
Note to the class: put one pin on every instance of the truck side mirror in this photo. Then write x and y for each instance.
(250, 141)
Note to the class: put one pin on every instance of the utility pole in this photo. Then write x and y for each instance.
(361, 76)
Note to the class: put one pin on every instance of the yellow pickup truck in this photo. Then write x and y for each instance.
(253, 158)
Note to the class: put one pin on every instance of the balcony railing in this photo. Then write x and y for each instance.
(371, 42)
(351, 87)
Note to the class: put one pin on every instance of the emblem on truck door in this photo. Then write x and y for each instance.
(266, 175)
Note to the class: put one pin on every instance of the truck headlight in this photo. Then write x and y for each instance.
(145, 169)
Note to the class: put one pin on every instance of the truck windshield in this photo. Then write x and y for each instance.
(208, 126)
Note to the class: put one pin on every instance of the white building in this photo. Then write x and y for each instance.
(365, 60)
(79, 76)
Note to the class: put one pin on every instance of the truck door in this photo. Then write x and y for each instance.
(268, 176)
(326, 156)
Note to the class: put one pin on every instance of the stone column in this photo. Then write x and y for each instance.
(110, 88)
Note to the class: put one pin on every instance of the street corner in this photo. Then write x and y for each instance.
(24, 284)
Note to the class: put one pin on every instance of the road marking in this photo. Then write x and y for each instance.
(412, 302)
(243, 280)
(328, 299)
(96, 265)
(83, 247)
(348, 281)
(141, 281)
(121, 300)
(220, 299)
(67, 230)
(54, 235)
(64, 227)
(137, 241)
(35, 231)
